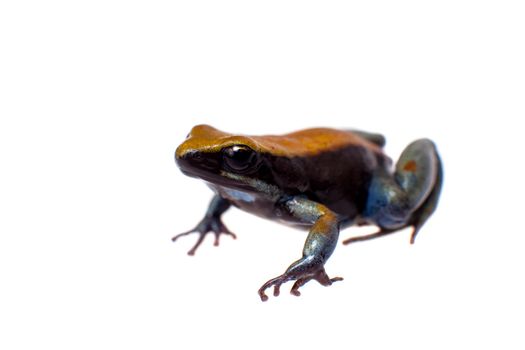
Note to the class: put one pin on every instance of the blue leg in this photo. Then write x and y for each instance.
(410, 196)
(319, 245)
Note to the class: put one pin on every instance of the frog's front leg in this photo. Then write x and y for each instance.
(210, 223)
(319, 245)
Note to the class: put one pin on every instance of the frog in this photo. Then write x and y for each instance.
(321, 180)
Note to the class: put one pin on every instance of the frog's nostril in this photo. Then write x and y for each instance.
(192, 155)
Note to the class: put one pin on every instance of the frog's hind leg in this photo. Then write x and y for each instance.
(410, 196)
(421, 215)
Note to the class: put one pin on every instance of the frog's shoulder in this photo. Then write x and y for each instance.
(318, 140)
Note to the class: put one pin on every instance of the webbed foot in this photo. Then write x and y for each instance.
(301, 279)
(208, 224)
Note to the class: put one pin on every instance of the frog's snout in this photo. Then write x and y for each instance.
(184, 156)
(179, 152)
(195, 161)
(191, 156)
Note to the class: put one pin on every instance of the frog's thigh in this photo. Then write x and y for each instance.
(416, 170)
(393, 199)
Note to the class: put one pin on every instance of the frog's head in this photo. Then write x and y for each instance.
(220, 158)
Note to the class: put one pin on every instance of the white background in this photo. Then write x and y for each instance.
(96, 95)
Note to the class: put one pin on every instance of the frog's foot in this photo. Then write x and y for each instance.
(382, 232)
(319, 245)
(318, 274)
(208, 224)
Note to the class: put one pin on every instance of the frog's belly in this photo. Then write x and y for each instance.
(238, 196)
(258, 204)
(254, 203)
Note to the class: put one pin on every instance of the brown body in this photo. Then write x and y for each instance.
(329, 166)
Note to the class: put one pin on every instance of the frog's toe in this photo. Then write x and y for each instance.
(207, 225)
(275, 283)
(198, 230)
(319, 275)
(176, 237)
(221, 229)
(197, 244)
(298, 284)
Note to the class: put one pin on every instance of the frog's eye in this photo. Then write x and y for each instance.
(239, 158)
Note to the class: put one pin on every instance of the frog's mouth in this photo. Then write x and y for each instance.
(209, 170)
(224, 179)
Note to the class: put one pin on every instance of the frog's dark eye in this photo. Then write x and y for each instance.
(239, 158)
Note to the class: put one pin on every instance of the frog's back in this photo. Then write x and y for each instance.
(314, 141)
(333, 167)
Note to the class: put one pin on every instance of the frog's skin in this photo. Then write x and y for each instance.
(320, 179)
